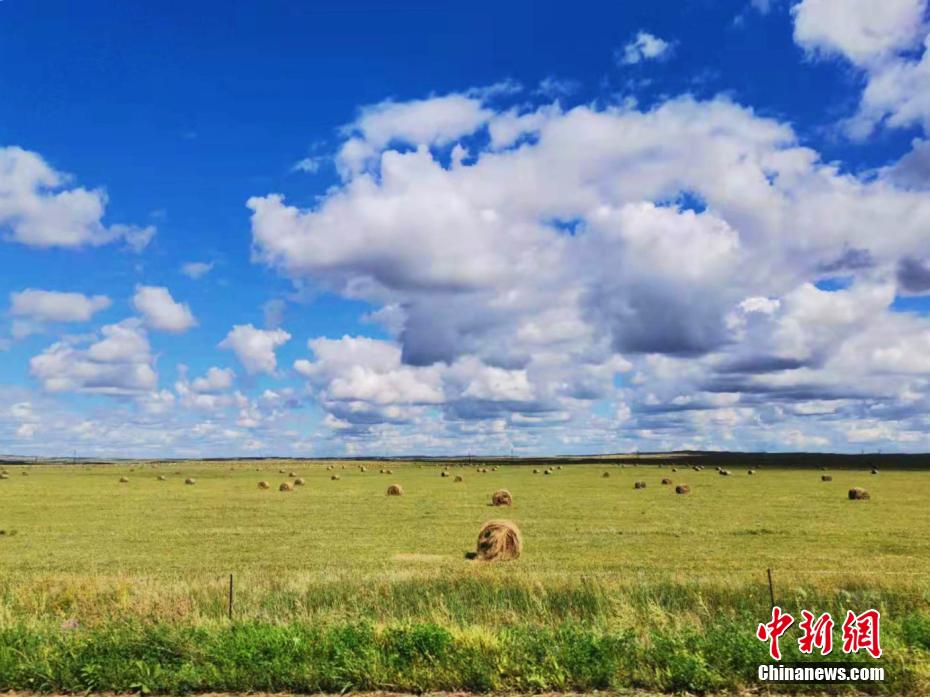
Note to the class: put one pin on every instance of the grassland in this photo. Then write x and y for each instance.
(338, 586)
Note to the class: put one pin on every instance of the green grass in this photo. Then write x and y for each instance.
(616, 588)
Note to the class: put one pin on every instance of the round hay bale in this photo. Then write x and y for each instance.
(25, 473)
(362, 469)
(443, 474)
(264, 485)
(389, 471)
(279, 472)
(499, 540)
(674, 469)
(559, 467)
(874, 471)
(329, 467)
(334, 478)
(122, 480)
(751, 472)
(724, 473)
(162, 478)
(666, 480)
(826, 478)
(299, 481)
(395, 490)
(292, 474)
(639, 485)
(535, 471)
(682, 489)
(501, 497)
(4, 475)
(190, 480)
(547, 471)
(858, 494)
(285, 486)
(606, 475)
(458, 478)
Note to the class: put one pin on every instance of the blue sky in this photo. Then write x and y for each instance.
(638, 225)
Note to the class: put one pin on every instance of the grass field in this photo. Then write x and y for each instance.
(339, 586)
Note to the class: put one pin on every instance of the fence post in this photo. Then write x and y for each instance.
(230, 596)
(771, 587)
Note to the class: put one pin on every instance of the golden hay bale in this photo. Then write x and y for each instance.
(499, 540)
(329, 467)
(335, 478)
(639, 485)
(381, 471)
(459, 478)
(725, 473)
(292, 474)
(123, 480)
(858, 494)
(874, 471)
(395, 490)
(547, 471)
(279, 472)
(285, 486)
(362, 469)
(666, 481)
(605, 475)
(682, 489)
(443, 474)
(826, 478)
(299, 481)
(696, 468)
(190, 480)
(674, 469)
(535, 471)
(162, 478)
(501, 497)
(264, 485)
(559, 467)
(4, 475)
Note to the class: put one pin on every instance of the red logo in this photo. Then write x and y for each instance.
(860, 632)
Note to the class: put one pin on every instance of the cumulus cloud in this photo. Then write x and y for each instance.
(433, 121)
(888, 40)
(118, 362)
(606, 260)
(255, 348)
(864, 31)
(215, 380)
(644, 47)
(53, 306)
(160, 311)
(196, 269)
(38, 209)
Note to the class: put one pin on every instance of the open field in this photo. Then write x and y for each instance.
(616, 587)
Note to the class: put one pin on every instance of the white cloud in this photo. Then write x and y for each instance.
(215, 380)
(255, 348)
(119, 362)
(37, 209)
(53, 306)
(196, 269)
(644, 47)
(889, 41)
(864, 31)
(523, 285)
(160, 311)
(433, 121)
